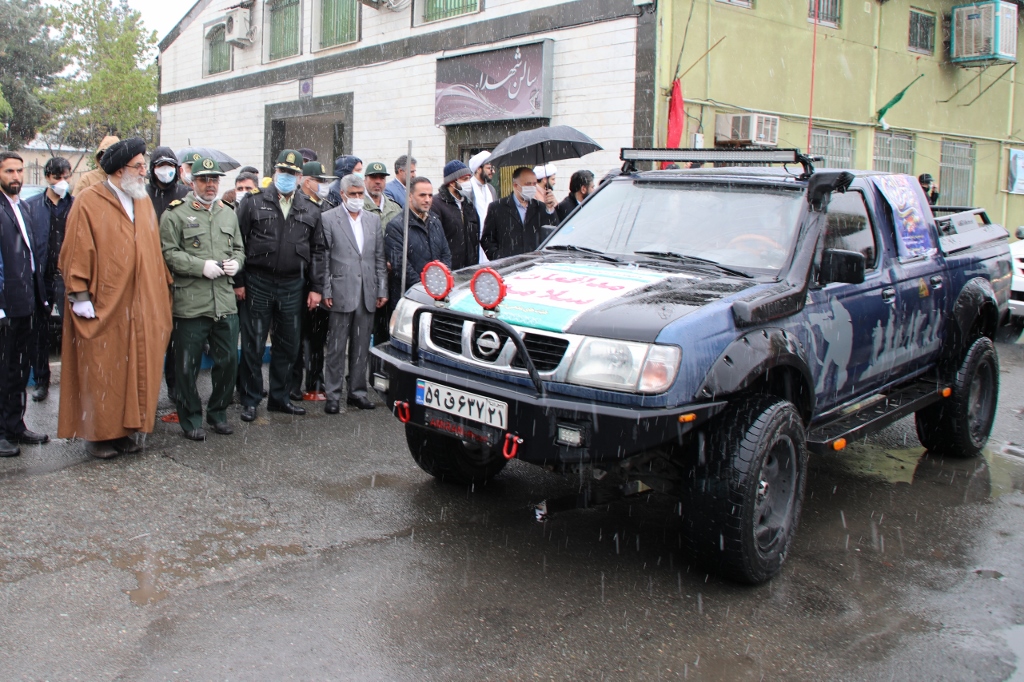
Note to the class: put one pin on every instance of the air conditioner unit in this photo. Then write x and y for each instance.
(984, 33)
(747, 129)
(238, 27)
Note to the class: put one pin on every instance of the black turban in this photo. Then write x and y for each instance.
(119, 154)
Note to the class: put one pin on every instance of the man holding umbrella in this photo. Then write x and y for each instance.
(515, 224)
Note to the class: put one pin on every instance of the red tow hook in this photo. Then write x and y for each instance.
(511, 447)
(402, 411)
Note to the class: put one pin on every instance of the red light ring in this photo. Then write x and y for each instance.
(502, 290)
(449, 281)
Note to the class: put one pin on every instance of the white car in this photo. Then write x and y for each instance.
(1017, 287)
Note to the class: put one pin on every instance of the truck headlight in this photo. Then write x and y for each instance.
(401, 320)
(624, 366)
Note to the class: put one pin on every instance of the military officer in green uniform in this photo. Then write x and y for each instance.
(202, 245)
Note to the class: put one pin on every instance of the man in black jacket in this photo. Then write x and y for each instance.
(23, 245)
(581, 184)
(453, 206)
(426, 240)
(52, 207)
(515, 224)
(284, 258)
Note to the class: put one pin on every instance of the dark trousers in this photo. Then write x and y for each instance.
(311, 350)
(43, 343)
(189, 336)
(270, 302)
(16, 337)
(382, 323)
(351, 330)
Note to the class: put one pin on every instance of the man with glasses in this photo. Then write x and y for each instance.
(118, 319)
(203, 249)
(284, 258)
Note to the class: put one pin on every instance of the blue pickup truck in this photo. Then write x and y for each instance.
(698, 332)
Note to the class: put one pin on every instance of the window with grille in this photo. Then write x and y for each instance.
(835, 145)
(738, 3)
(218, 52)
(284, 28)
(922, 32)
(339, 22)
(894, 153)
(828, 11)
(435, 10)
(956, 174)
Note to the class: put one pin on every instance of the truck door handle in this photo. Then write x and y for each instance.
(936, 281)
(889, 295)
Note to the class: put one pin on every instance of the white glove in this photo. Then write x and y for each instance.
(83, 309)
(230, 268)
(2, 314)
(211, 270)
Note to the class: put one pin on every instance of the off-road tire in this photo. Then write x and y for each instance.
(958, 426)
(742, 504)
(449, 459)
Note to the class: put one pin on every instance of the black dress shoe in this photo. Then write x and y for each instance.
(296, 394)
(222, 428)
(248, 414)
(7, 449)
(197, 434)
(362, 402)
(332, 407)
(126, 445)
(287, 408)
(27, 437)
(41, 393)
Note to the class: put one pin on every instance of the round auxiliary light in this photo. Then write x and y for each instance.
(437, 280)
(488, 288)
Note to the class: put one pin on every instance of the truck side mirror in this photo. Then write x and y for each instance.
(1020, 233)
(839, 265)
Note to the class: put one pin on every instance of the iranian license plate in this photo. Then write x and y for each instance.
(462, 404)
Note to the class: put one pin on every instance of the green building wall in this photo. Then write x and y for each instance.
(764, 64)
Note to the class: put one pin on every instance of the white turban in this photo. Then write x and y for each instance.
(478, 160)
(545, 171)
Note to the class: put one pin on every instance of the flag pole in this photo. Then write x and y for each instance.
(405, 233)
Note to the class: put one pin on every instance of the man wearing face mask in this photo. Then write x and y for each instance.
(581, 185)
(343, 165)
(163, 187)
(202, 246)
(453, 206)
(316, 184)
(284, 258)
(53, 205)
(185, 172)
(516, 223)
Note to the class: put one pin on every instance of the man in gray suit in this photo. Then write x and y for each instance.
(355, 285)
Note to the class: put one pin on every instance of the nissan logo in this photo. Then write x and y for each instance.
(488, 344)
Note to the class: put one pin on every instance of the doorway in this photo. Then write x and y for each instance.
(464, 140)
(323, 124)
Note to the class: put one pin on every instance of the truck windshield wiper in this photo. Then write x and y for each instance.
(672, 255)
(582, 249)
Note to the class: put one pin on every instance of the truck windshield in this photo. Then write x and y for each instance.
(750, 228)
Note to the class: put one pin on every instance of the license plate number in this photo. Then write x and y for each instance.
(462, 404)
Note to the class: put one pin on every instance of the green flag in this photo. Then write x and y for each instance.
(895, 100)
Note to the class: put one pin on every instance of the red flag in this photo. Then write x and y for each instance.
(676, 117)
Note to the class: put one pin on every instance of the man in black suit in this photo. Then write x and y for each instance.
(23, 247)
(514, 225)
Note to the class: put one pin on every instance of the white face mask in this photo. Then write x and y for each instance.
(353, 204)
(187, 177)
(528, 192)
(323, 189)
(60, 188)
(466, 189)
(165, 174)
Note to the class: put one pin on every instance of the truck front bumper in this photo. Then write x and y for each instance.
(540, 429)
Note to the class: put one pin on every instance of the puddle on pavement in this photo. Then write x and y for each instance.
(343, 492)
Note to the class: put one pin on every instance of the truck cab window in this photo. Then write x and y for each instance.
(849, 227)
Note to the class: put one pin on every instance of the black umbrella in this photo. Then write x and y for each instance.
(537, 147)
(225, 162)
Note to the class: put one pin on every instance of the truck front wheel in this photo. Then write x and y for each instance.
(450, 459)
(959, 426)
(747, 490)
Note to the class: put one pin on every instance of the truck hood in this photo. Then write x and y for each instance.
(627, 301)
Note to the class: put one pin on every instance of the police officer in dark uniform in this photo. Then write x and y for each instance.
(284, 258)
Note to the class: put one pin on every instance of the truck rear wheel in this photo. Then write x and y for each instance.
(747, 490)
(959, 426)
(449, 459)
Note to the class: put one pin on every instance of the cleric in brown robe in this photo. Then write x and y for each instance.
(117, 318)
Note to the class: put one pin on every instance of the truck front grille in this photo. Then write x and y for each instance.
(545, 351)
(446, 333)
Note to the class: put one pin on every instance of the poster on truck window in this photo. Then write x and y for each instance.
(1016, 175)
(904, 195)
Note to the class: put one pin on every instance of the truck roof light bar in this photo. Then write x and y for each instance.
(630, 155)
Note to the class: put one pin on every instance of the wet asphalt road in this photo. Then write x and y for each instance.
(314, 548)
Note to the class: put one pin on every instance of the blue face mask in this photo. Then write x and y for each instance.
(285, 182)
